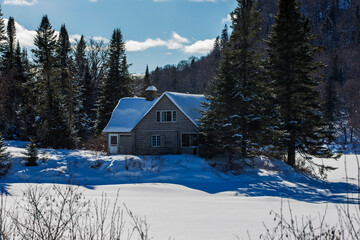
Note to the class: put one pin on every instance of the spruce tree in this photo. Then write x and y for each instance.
(13, 86)
(224, 37)
(10, 46)
(52, 128)
(31, 154)
(146, 82)
(83, 95)
(116, 83)
(244, 43)
(4, 82)
(5, 158)
(26, 115)
(216, 130)
(236, 93)
(330, 93)
(294, 75)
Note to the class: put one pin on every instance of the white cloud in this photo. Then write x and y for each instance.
(176, 42)
(202, 0)
(134, 46)
(99, 38)
(93, 0)
(200, 47)
(20, 2)
(226, 20)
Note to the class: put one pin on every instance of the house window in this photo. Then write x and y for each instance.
(155, 141)
(113, 140)
(166, 116)
(189, 140)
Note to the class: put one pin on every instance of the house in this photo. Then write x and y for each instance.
(155, 125)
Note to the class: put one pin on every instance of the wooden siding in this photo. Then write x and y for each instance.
(169, 133)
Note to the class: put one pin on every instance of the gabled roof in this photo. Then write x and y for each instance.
(127, 114)
(189, 104)
(130, 111)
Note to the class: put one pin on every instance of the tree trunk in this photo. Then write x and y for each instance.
(291, 151)
(243, 148)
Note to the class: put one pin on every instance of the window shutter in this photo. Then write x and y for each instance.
(157, 116)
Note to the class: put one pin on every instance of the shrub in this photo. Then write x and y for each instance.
(63, 212)
(32, 154)
(5, 160)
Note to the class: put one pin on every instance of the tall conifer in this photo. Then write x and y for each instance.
(146, 82)
(52, 128)
(294, 75)
(116, 83)
(235, 97)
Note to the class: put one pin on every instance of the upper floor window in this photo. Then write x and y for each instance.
(166, 116)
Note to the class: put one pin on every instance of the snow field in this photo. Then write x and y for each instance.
(183, 198)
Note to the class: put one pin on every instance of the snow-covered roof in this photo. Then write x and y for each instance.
(127, 114)
(129, 111)
(189, 104)
(151, 88)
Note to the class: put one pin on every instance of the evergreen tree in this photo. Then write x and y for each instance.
(224, 37)
(31, 154)
(216, 51)
(116, 83)
(52, 128)
(236, 100)
(293, 72)
(65, 77)
(4, 83)
(146, 82)
(244, 43)
(216, 130)
(13, 87)
(330, 93)
(83, 94)
(5, 160)
(10, 46)
(27, 109)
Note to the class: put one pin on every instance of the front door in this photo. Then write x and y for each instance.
(125, 144)
(113, 143)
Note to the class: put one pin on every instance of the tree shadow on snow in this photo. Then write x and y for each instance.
(4, 189)
(293, 186)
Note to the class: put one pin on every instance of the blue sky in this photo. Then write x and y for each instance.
(157, 32)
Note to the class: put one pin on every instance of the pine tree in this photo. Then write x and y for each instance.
(146, 82)
(52, 128)
(293, 72)
(31, 154)
(116, 84)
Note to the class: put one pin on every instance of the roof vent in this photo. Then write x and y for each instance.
(150, 93)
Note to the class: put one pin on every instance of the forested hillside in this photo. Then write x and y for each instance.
(337, 26)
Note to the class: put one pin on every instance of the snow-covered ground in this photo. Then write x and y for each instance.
(184, 198)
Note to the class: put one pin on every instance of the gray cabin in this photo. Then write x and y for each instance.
(155, 125)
